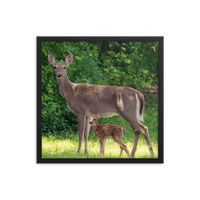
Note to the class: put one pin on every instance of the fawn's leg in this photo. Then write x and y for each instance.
(101, 146)
(104, 146)
(123, 146)
(120, 151)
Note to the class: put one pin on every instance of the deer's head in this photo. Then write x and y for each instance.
(60, 68)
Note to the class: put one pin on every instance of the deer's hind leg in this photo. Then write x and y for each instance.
(144, 130)
(137, 136)
(138, 128)
(122, 146)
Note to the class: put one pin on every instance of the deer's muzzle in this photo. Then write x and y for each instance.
(59, 75)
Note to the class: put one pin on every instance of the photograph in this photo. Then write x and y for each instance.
(100, 99)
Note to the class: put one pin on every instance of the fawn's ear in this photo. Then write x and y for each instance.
(100, 114)
(69, 59)
(51, 59)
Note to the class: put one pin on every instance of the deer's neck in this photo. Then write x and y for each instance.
(94, 128)
(65, 86)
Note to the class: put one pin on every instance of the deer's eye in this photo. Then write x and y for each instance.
(64, 67)
(94, 119)
(55, 67)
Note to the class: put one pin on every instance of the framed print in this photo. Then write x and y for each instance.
(100, 99)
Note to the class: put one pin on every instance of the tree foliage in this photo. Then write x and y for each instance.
(133, 64)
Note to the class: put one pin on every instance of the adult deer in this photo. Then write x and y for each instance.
(109, 100)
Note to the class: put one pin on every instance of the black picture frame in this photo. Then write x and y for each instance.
(160, 158)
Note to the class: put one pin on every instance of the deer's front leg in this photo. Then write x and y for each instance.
(81, 126)
(86, 133)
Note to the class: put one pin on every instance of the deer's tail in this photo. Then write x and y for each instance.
(140, 102)
(123, 131)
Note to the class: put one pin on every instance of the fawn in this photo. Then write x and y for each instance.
(103, 131)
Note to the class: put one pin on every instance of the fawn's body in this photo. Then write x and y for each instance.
(103, 131)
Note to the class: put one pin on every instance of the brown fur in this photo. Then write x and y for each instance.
(96, 98)
(103, 131)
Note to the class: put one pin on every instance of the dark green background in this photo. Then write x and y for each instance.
(20, 21)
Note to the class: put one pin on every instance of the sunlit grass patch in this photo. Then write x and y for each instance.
(52, 148)
(67, 147)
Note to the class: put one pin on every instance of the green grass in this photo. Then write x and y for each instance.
(66, 146)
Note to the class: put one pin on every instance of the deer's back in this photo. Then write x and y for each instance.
(103, 96)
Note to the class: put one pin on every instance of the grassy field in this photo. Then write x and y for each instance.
(66, 145)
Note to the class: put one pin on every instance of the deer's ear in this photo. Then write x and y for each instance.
(69, 59)
(51, 59)
(88, 113)
(100, 114)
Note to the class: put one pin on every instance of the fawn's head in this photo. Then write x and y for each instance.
(60, 68)
(94, 118)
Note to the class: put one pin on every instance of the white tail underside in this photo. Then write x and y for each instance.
(139, 117)
(123, 132)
